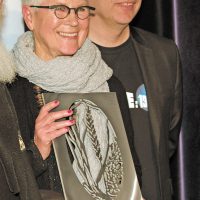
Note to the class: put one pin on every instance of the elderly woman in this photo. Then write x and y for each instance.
(55, 56)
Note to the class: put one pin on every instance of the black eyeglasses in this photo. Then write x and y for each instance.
(62, 11)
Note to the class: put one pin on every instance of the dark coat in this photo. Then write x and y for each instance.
(161, 70)
(157, 59)
(16, 176)
(23, 97)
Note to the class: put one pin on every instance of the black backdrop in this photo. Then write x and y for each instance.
(180, 21)
(156, 17)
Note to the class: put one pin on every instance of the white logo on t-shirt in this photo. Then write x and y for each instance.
(139, 100)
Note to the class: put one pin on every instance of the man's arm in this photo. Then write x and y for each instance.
(176, 110)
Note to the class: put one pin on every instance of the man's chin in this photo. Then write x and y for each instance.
(124, 20)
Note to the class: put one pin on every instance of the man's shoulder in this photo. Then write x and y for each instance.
(150, 39)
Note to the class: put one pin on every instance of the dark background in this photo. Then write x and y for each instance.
(156, 17)
(180, 21)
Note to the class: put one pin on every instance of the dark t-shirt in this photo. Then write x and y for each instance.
(123, 61)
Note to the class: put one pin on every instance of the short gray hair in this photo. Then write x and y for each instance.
(33, 2)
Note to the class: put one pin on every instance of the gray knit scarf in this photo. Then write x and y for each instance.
(83, 72)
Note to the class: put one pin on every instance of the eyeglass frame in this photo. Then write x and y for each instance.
(69, 9)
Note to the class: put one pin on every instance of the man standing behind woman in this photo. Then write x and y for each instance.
(149, 68)
(56, 56)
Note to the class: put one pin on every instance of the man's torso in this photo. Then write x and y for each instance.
(123, 61)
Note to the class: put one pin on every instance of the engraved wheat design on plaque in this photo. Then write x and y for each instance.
(97, 162)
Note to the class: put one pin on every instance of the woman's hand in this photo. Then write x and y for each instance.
(47, 128)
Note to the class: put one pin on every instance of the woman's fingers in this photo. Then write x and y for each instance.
(50, 125)
(47, 108)
(54, 116)
(57, 133)
(45, 133)
(47, 117)
(59, 125)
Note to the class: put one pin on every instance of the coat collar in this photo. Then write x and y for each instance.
(148, 69)
(7, 69)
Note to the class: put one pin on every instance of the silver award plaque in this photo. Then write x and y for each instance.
(93, 158)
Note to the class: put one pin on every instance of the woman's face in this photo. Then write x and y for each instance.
(56, 37)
